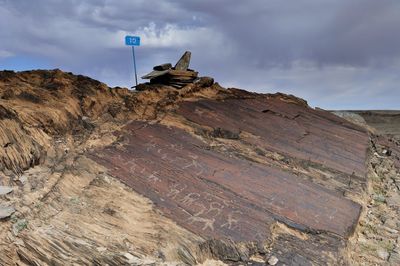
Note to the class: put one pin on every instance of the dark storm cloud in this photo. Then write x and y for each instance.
(337, 54)
(354, 32)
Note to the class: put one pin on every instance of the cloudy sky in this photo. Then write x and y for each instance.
(337, 54)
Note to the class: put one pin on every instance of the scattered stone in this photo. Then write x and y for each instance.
(390, 230)
(204, 82)
(393, 200)
(23, 179)
(387, 152)
(20, 225)
(394, 258)
(131, 259)
(6, 211)
(101, 249)
(178, 76)
(257, 258)
(5, 190)
(273, 260)
(379, 198)
(383, 254)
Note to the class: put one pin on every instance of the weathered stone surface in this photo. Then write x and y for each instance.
(183, 178)
(205, 82)
(394, 259)
(273, 260)
(155, 74)
(194, 176)
(183, 62)
(393, 200)
(6, 211)
(291, 129)
(182, 74)
(383, 254)
(163, 67)
(178, 76)
(5, 190)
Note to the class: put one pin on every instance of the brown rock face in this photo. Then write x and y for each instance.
(218, 196)
(297, 131)
(99, 175)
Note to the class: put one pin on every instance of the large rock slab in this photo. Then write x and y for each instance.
(217, 196)
(287, 128)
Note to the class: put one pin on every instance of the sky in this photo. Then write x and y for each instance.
(336, 54)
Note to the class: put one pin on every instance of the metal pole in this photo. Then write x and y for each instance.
(134, 62)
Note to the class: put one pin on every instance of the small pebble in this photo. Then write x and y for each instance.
(273, 260)
(383, 254)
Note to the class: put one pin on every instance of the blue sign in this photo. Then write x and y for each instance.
(132, 40)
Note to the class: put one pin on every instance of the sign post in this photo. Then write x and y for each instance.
(133, 41)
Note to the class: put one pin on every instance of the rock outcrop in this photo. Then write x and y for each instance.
(92, 175)
(178, 76)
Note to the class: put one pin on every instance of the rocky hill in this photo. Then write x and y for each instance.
(92, 175)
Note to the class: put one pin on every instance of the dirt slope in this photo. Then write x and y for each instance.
(104, 175)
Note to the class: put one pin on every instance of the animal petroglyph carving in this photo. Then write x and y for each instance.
(194, 163)
(332, 216)
(153, 177)
(150, 146)
(215, 208)
(132, 167)
(176, 146)
(231, 222)
(175, 190)
(208, 223)
(190, 198)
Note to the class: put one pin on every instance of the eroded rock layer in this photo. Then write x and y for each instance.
(207, 173)
(230, 193)
(216, 195)
(288, 128)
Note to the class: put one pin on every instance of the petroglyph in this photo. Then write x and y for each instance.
(175, 190)
(215, 209)
(192, 163)
(150, 146)
(153, 177)
(182, 179)
(143, 170)
(208, 223)
(332, 216)
(231, 222)
(190, 198)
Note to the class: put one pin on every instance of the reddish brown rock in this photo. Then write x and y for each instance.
(218, 196)
(288, 128)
